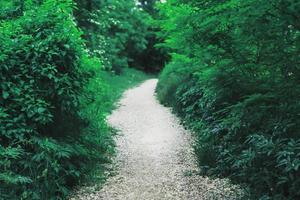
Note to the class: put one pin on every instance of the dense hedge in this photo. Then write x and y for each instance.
(234, 79)
(48, 142)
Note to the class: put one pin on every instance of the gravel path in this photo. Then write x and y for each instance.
(155, 159)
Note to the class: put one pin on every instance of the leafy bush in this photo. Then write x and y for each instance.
(238, 88)
(48, 142)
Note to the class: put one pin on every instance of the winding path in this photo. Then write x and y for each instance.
(155, 159)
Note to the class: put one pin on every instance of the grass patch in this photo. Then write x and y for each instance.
(118, 84)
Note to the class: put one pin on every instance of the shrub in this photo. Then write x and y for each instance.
(47, 142)
(239, 91)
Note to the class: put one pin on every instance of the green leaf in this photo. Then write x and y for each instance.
(5, 95)
(41, 110)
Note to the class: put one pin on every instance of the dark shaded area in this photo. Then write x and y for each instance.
(152, 59)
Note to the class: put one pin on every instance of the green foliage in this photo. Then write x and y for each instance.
(48, 139)
(154, 57)
(115, 30)
(54, 94)
(122, 33)
(234, 79)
